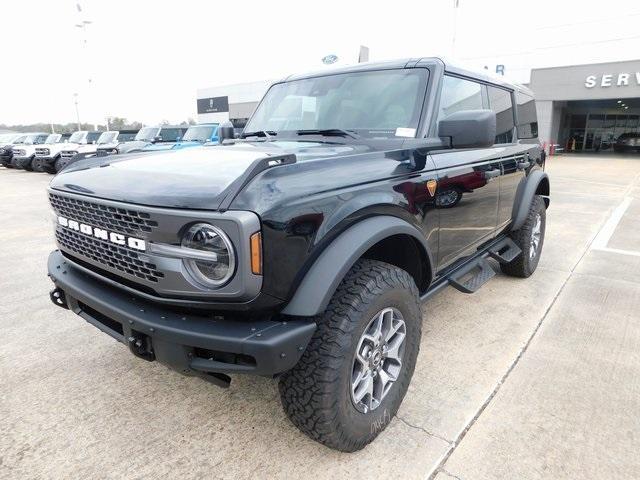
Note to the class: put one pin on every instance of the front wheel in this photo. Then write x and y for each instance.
(60, 164)
(37, 165)
(355, 372)
(28, 164)
(530, 238)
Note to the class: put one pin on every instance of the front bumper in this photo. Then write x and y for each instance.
(192, 344)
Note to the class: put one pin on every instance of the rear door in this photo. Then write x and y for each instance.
(512, 153)
(468, 189)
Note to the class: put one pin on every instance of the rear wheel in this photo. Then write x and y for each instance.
(530, 238)
(354, 374)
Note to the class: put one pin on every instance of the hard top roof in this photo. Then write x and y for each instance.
(448, 66)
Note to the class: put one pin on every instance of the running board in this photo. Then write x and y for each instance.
(468, 278)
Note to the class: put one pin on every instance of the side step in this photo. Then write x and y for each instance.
(474, 275)
(505, 251)
(477, 274)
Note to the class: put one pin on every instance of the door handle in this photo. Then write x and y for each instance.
(493, 173)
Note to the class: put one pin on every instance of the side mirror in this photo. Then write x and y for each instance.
(178, 138)
(225, 132)
(469, 128)
(157, 138)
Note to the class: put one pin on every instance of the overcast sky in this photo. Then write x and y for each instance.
(146, 59)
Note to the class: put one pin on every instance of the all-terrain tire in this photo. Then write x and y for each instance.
(37, 165)
(60, 164)
(49, 167)
(526, 263)
(28, 165)
(316, 393)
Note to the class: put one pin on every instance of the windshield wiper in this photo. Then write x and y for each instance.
(329, 132)
(260, 133)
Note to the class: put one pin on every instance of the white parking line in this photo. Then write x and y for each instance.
(606, 232)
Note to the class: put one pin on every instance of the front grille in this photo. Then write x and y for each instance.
(42, 152)
(120, 220)
(105, 253)
(115, 219)
(68, 153)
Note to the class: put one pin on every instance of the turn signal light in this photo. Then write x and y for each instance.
(256, 253)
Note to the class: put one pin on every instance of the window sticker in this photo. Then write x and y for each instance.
(405, 132)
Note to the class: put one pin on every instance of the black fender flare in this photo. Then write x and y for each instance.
(321, 281)
(524, 196)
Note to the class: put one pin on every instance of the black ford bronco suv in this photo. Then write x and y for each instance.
(304, 249)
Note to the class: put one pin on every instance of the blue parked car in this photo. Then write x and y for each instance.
(194, 136)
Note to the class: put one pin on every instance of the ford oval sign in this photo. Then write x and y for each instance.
(329, 59)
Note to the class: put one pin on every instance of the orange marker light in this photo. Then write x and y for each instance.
(431, 186)
(256, 253)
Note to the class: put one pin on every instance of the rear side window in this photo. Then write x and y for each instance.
(527, 118)
(459, 94)
(500, 103)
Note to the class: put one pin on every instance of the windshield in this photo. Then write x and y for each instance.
(77, 137)
(147, 133)
(199, 133)
(33, 139)
(53, 138)
(126, 136)
(93, 136)
(20, 140)
(107, 137)
(372, 104)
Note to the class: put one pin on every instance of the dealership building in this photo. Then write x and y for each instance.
(586, 107)
(580, 107)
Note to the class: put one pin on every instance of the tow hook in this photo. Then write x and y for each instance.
(58, 298)
(140, 346)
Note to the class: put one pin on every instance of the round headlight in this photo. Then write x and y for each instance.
(213, 261)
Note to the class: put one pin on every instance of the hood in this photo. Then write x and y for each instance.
(172, 146)
(125, 147)
(197, 178)
(91, 147)
(160, 147)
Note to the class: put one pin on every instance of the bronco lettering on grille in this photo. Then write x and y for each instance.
(117, 238)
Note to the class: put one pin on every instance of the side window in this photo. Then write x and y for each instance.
(527, 118)
(500, 103)
(459, 94)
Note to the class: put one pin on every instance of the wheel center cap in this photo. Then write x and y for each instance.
(376, 358)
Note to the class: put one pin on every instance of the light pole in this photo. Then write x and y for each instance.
(82, 25)
(75, 100)
(456, 4)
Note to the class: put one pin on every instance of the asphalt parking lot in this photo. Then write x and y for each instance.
(525, 379)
